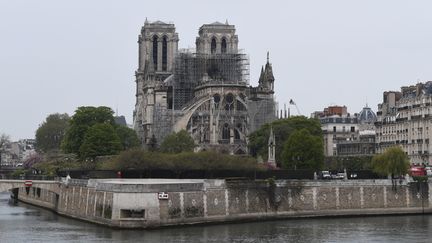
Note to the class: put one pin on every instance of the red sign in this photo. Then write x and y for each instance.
(28, 183)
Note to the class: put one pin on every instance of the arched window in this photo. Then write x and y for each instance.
(155, 51)
(216, 100)
(236, 134)
(226, 131)
(213, 45)
(237, 131)
(229, 101)
(224, 46)
(164, 53)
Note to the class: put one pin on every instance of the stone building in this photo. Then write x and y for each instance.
(345, 134)
(404, 119)
(204, 91)
(15, 153)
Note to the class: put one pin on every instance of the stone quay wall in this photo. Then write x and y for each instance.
(138, 203)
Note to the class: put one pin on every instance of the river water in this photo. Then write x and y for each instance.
(24, 223)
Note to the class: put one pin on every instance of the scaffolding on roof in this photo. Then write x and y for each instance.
(194, 69)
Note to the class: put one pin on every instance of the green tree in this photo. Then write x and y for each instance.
(100, 139)
(51, 132)
(128, 137)
(178, 142)
(302, 150)
(282, 128)
(84, 118)
(393, 162)
(210, 161)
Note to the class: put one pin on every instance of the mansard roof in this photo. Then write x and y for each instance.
(366, 115)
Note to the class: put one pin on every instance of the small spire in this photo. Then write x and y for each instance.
(146, 21)
(226, 21)
(268, 57)
(271, 140)
(261, 77)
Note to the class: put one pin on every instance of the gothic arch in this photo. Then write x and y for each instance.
(226, 131)
(237, 135)
(213, 45)
(155, 51)
(165, 35)
(224, 45)
(164, 53)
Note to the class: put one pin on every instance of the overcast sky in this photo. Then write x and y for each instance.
(58, 55)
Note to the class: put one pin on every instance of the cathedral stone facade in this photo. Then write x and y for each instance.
(204, 91)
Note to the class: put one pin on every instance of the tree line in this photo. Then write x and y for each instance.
(92, 132)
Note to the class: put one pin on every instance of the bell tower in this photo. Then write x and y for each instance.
(157, 48)
(217, 38)
(158, 44)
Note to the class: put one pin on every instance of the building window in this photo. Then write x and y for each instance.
(223, 46)
(226, 131)
(334, 129)
(155, 51)
(352, 129)
(213, 45)
(236, 134)
(229, 102)
(164, 53)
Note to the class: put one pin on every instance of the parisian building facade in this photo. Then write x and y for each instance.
(204, 91)
(404, 119)
(346, 134)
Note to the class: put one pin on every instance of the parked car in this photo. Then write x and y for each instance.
(429, 171)
(417, 171)
(325, 175)
(338, 176)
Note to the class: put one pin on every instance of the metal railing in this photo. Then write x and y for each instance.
(29, 177)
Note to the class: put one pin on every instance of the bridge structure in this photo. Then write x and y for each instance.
(11, 185)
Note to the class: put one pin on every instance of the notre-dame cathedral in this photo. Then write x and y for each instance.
(204, 91)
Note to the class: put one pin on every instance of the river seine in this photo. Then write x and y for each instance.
(24, 223)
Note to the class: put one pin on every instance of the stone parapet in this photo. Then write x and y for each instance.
(150, 203)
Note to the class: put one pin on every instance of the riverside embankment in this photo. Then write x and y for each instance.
(151, 203)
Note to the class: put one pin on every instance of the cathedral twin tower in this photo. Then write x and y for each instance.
(203, 91)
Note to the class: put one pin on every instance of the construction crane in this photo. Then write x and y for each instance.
(291, 102)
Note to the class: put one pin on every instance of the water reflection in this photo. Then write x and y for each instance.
(23, 223)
